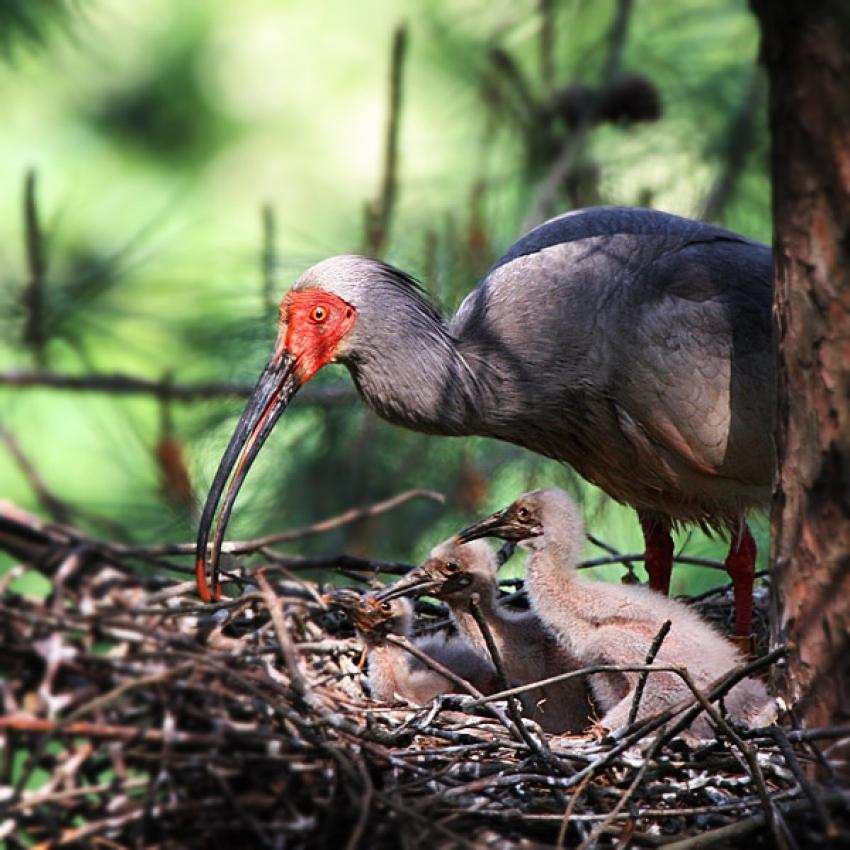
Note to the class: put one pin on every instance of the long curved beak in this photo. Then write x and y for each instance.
(500, 524)
(277, 385)
(416, 581)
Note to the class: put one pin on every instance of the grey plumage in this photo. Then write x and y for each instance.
(633, 344)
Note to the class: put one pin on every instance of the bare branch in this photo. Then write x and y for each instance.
(650, 658)
(122, 384)
(268, 257)
(378, 213)
(34, 335)
(739, 138)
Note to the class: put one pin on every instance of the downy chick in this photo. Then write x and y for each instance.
(604, 623)
(529, 652)
(391, 670)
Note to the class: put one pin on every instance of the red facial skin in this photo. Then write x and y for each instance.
(312, 324)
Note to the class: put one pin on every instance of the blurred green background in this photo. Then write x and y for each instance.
(158, 131)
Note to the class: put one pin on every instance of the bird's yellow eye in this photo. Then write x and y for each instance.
(318, 314)
(452, 567)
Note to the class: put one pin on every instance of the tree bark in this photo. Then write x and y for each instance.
(806, 49)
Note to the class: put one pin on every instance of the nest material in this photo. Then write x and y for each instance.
(133, 717)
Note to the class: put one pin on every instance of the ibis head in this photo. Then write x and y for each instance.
(461, 570)
(542, 518)
(371, 615)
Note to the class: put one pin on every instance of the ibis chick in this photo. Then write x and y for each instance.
(392, 671)
(602, 623)
(528, 651)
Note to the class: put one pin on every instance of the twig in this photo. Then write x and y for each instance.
(57, 509)
(345, 518)
(650, 658)
(627, 560)
(118, 383)
(287, 649)
(617, 37)
(493, 650)
(85, 729)
(572, 674)
(573, 147)
(34, 335)
(591, 840)
(268, 257)
(756, 774)
(809, 789)
(244, 547)
(378, 213)
(547, 44)
(568, 811)
(98, 703)
(454, 678)
(739, 138)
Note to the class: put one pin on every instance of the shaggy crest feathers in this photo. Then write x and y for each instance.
(351, 276)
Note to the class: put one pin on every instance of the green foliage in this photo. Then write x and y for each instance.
(30, 22)
(166, 113)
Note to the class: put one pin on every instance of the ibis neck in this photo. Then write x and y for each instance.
(418, 377)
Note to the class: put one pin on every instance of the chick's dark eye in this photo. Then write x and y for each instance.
(385, 607)
(319, 313)
(523, 514)
(452, 566)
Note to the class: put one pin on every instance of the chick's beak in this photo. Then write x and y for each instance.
(415, 582)
(501, 524)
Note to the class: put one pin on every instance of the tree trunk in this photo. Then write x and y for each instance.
(806, 48)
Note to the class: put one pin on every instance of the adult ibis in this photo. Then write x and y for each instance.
(632, 344)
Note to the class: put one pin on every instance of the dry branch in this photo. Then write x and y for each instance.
(34, 334)
(121, 384)
(378, 213)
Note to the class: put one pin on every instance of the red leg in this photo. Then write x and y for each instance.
(658, 558)
(741, 566)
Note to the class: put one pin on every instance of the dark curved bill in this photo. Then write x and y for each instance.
(498, 524)
(413, 582)
(277, 385)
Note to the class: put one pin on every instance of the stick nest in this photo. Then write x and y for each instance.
(134, 717)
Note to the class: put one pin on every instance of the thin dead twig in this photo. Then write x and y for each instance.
(122, 384)
(287, 649)
(650, 658)
(34, 334)
(244, 547)
(493, 650)
(56, 508)
(378, 213)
